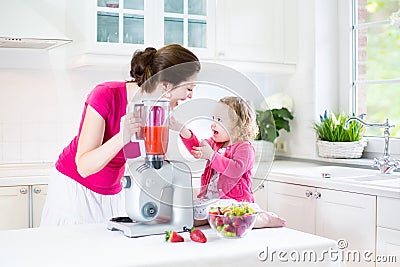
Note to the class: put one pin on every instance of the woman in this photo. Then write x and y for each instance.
(85, 186)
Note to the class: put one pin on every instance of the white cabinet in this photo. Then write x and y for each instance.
(329, 213)
(260, 193)
(388, 232)
(294, 203)
(38, 197)
(257, 30)
(108, 32)
(14, 207)
(21, 206)
(387, 247)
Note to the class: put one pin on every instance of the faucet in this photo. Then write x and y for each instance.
(384, 164)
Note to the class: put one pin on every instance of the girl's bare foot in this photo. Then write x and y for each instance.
(269, 219)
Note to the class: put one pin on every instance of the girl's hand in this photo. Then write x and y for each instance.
(175, 125)
(204, 151)
(129, 125)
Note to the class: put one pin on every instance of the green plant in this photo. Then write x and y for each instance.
(270, 122)
(331, 128)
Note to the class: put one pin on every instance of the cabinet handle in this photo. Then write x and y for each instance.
(317, 195)
(37, 190)
(23, 190)
(308, 193)
(261, 186)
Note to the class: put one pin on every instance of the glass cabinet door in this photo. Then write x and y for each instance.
(185, 22)
(120, 21)
(176, 21)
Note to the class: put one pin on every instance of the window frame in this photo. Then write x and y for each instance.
(347, 76)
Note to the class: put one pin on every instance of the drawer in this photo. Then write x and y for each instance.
(388, 213)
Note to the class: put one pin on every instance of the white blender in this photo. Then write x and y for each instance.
(158, 192)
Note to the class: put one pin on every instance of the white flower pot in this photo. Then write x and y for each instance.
(265, 151)
(341, 150)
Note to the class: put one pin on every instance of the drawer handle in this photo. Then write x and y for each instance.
(37, 190)
(23, 191)
(317, 195)
(308, 193)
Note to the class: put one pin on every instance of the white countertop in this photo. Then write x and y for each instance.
(25, 174)
(288, 171)
(94, 245)
(309, 174)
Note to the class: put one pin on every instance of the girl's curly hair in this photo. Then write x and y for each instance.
(245, 128)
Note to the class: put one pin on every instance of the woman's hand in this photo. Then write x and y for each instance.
(129, 125)
(204, 151)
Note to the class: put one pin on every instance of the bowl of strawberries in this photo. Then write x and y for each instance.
(232, 221)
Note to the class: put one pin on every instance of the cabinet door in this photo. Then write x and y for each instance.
(293, 203)
(387, 247)
(257, 30)
(260, 193)
(14, 207)
(348, 216)
(39, 193)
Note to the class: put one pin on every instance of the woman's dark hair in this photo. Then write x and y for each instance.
(145, 64)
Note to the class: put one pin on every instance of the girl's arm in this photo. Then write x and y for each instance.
(92, 155)
(235, 167)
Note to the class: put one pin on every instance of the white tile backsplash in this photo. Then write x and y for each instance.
(40, 109)
(30, 151)
(11, 152)
(12, 132)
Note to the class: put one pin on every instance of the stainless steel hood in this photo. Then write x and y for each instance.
(36, 24)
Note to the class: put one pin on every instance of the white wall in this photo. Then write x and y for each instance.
(41, 101)
(40, 110)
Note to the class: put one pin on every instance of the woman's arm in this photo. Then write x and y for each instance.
(91, 154)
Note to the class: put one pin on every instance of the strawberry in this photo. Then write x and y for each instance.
(229, 228)
(218, 221)
(172, 236)
(237, 221)
(214, 210)
(197, 235)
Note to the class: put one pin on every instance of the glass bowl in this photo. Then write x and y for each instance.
(228, 225)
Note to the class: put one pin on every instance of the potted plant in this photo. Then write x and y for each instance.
(273, 116)
(336, 141)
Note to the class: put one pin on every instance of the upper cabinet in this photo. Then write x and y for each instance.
(109, 31)
(119, 27)
(257, 30)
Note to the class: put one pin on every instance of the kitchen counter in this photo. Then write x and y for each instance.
(25, 174)
(287, 171)
(94, 245)
(309, 174)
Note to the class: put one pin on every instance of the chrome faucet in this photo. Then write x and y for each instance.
(384, 164)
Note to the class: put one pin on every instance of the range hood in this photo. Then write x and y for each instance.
(32, 24)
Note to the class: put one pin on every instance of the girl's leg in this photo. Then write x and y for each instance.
(269, 219)
(200, 222)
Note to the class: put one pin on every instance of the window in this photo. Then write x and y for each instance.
(376, 63)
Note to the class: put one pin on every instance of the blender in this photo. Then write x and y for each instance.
(158, 192)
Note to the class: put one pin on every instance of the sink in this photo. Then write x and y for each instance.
(375, 178)
(332, 172)
(382, 180)
(391, 183)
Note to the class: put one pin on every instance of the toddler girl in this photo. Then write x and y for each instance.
(230, 159)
